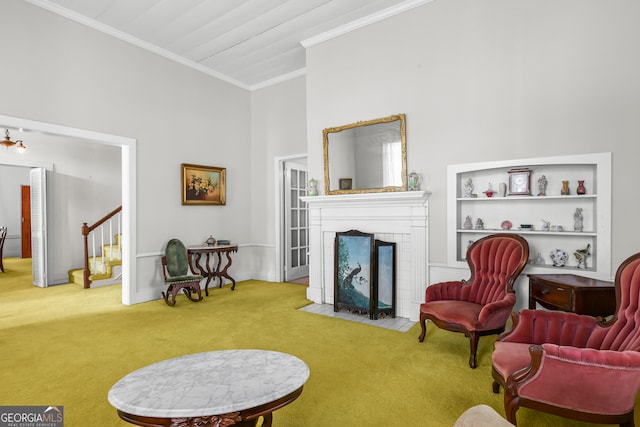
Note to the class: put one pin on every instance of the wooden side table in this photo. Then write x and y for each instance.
(569, 292)
(209, 268)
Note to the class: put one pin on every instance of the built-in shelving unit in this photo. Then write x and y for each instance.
(534, 209)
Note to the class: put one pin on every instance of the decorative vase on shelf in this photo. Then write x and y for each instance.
(312, 189)
(414, 181)
(565, 188)
(502, 189)
(581, 189)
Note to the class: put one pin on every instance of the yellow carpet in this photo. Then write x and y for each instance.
(67, 346)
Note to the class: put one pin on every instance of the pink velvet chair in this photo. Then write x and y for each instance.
(481, 305)
(572, 365)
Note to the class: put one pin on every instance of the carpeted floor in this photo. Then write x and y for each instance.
(67, 346)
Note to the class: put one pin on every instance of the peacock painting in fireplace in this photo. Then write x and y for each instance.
(364, 274)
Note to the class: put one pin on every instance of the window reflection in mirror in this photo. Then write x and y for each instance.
(370, 155)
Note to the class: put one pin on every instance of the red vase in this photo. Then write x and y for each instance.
(581, 189)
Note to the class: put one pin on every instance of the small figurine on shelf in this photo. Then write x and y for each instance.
(210, 241)
(468, 225)
(479, 224)
(542, 186)
(468, 188)
(539, 259)
(581, 256)
(546, 225)
(565, 188)
(577, 220)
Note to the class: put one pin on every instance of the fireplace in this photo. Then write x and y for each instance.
(399, 217)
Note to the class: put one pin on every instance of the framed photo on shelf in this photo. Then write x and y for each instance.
(203, 185)
(520, 182)
(346, 183)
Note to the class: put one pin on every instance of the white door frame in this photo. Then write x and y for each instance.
(279, 208)
(128, 146)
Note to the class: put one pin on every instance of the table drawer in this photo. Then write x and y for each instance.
(553, 295)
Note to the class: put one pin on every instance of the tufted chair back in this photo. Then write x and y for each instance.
(623, 330)
(495, 263)
(177, 260)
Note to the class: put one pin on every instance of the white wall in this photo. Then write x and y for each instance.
(492, 80)
(64, 73)
(278, 129)
(85, 185)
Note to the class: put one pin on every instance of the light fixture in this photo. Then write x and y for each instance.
(7, 142)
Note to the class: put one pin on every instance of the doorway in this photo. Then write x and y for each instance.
(291, 233)
(128, 147)
(26, 221)
(296, 222)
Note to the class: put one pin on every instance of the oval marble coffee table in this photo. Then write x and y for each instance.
(219, 388)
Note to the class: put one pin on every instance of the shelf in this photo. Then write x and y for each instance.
(528, 198)
(553, 208)
(533, 232)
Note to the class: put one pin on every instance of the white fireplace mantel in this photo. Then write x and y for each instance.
(400, 217)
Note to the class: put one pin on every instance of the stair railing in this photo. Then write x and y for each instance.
(114, 215)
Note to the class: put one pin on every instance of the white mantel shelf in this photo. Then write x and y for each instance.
(400, 217)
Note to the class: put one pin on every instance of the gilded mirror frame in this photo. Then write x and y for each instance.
(325, 136)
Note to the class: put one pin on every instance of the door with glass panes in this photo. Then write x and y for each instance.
(296, 227)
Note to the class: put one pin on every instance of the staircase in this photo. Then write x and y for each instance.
(105, 269)
(104, 266)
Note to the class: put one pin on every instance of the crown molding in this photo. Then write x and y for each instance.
(363, 22)
(279, 79)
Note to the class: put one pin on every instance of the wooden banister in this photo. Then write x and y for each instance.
(86, 230)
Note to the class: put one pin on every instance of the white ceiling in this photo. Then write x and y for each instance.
(249, 43)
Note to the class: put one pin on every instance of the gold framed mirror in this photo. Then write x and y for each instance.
(366, 157)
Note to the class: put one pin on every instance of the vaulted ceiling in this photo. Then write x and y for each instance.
(250, 43)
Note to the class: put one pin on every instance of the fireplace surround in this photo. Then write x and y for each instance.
(400, 217)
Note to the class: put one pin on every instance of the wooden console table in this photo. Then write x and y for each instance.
(210, 268)
(569, 292)
(218, 388)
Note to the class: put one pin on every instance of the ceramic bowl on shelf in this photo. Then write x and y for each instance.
(557, 228)
(526, 226)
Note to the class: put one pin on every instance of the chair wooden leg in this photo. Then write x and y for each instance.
(191, 289)
(423, 325)
(511, 405)
(473, 343)
(173, 291)
(495, 386)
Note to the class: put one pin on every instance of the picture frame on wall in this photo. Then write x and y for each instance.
(203, 185)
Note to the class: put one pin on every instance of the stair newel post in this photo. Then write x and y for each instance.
(87, 272)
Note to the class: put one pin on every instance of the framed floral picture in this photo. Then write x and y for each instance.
(203, 185)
